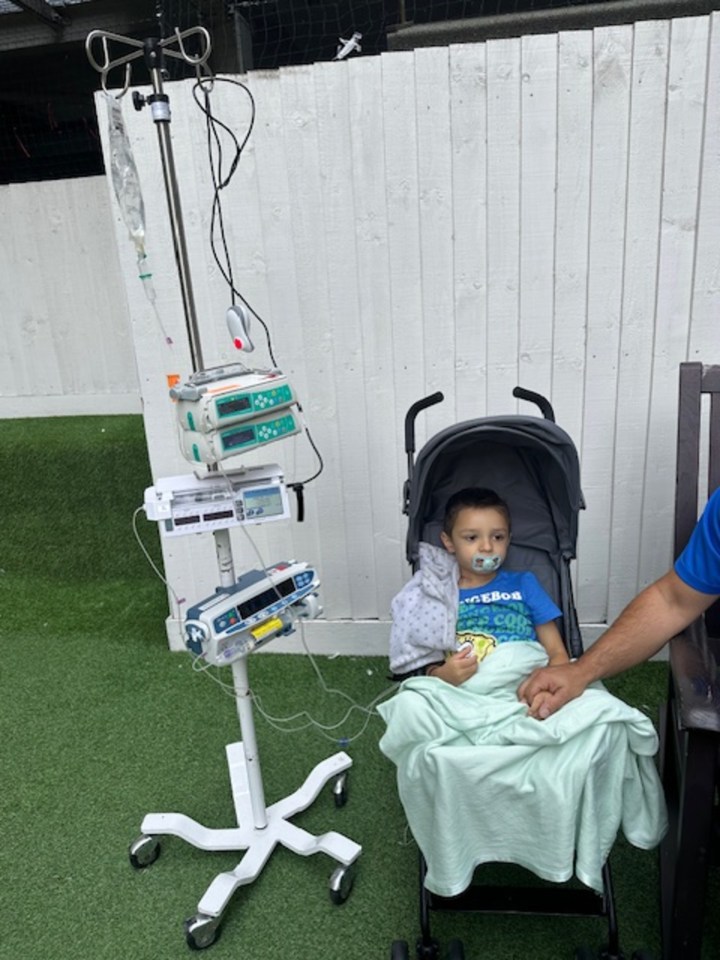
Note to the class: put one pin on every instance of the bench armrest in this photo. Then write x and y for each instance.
(695, 666)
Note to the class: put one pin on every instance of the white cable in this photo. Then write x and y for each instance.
(198, 666)
(152, 563)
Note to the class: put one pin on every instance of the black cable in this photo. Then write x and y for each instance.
(220, 183)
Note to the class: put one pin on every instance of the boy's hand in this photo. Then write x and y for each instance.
(458, 668)
(549, 688)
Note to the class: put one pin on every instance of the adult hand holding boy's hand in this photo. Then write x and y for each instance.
(549, 688)
(458, 668)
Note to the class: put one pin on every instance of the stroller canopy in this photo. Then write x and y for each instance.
(530, 462)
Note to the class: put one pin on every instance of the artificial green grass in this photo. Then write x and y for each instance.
(101, 725)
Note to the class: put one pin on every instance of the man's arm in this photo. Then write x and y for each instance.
(658, 613)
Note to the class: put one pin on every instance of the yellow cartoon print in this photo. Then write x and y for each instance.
(483, 643)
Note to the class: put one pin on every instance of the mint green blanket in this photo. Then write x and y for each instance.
(481, 781)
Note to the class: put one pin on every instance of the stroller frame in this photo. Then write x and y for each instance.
(549, 901)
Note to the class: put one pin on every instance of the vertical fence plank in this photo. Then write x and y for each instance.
(436, 243)
(403, 213)
(572, 212)
(338, 251)
(687, 75)
(704, 340)
(468, 102)
(647, 133)
(538, 166)
(611, 98)
(503, 206)
(373, 268)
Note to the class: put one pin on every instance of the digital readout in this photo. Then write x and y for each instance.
(265, 599)
(233, 405)
(238, 438)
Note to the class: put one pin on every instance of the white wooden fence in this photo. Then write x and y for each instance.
(67, 343)
(542, 211)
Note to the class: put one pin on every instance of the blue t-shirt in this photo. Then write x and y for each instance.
(508, 608)
(699, 563)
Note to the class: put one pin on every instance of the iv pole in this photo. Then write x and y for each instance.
(270, 825)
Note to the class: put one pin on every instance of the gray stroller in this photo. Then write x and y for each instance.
(533, 465)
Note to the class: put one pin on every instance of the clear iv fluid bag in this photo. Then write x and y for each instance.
(123, 171)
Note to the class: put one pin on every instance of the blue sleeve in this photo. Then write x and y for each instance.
(542, 608)
(699, 564)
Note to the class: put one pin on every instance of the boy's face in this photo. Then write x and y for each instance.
(477, 531)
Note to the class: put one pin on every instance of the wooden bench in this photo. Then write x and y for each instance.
(690, 720)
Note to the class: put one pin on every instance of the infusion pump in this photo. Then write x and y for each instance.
(222, 396)
(225, 411)
(260, 605)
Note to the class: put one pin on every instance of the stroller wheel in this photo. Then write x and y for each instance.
(399, 950)
(455, 950)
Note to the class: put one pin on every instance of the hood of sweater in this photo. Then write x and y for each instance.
(438, 568)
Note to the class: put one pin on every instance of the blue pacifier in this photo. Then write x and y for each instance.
(482, 564)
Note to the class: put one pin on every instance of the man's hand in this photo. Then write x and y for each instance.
(549, 688)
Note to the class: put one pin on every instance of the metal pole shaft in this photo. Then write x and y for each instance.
(161, 116)
(225, 562)
(247, 728)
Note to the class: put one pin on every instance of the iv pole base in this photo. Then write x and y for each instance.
(258, 842)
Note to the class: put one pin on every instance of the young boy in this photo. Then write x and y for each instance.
(460, 605)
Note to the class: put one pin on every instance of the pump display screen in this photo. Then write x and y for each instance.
(264, 599)
(233, 405)
(263, 502)
(238, 438)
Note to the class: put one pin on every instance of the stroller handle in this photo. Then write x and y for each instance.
(537, 398)
(410, 416)
(412, 413)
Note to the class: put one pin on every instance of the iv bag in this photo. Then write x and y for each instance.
(123, 171)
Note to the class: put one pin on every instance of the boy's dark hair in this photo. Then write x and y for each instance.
(472, 497)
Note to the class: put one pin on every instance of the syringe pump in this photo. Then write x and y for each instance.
(260, 605)
(216, 501)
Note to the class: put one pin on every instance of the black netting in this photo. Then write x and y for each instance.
(48, 128)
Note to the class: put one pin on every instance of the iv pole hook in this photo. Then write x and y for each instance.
(153, 51)
(202, 57)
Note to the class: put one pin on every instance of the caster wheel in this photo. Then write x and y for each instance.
(427, 950)
(399, 950)
(341, 883)
(144, 851)
(340, 793)
(455, 950)
(201, 932)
